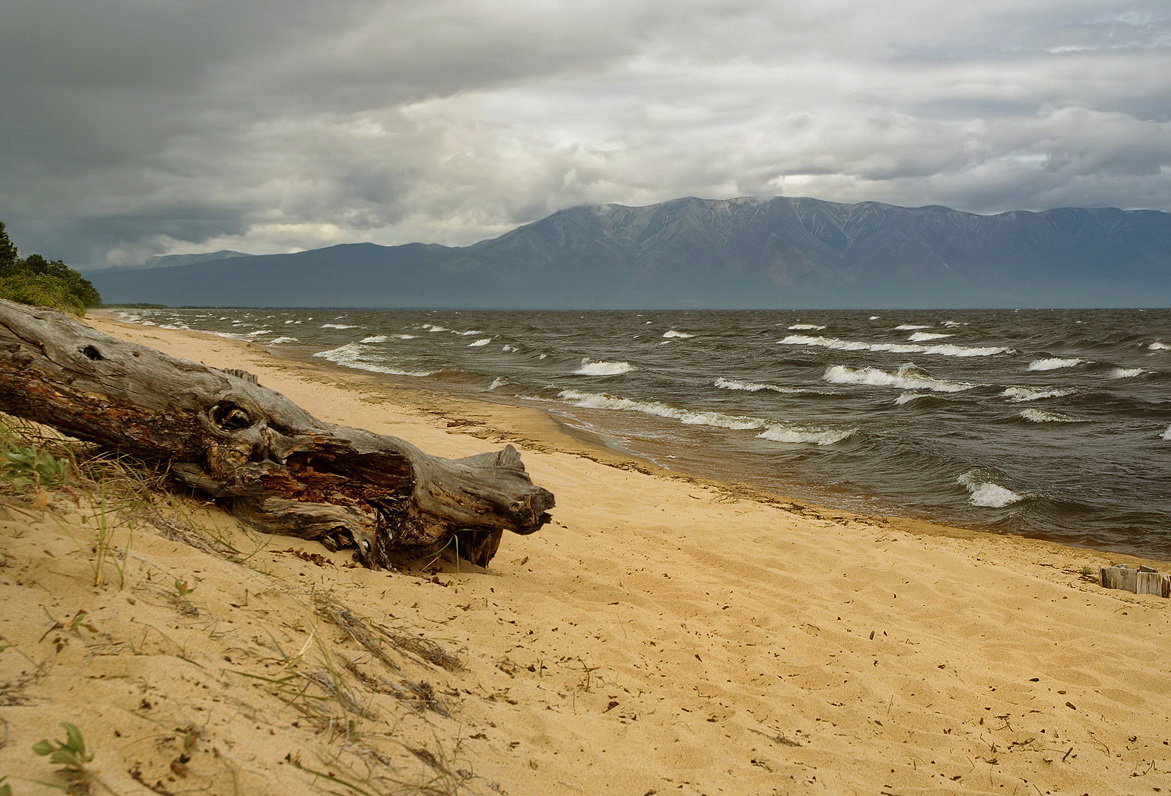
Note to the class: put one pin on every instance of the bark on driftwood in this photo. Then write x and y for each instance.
(267, 460)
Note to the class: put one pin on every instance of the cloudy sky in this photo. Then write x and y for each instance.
(130, 128)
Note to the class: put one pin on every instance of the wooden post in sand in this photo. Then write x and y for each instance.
(264, 458)
(1143, 580)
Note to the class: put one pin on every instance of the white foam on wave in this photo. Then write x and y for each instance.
(405, 336)
(291, 321)
(338, 326)
(874, 317)
(469, 332)
(1166, 434)
(433, 328)
(175, 325)
(910, 327)
(350, 355)
(480, 342)
(907, 377)
(497, 382)
(259, 332)
(986, 493)
(941, 349)
(509, 348)
(922, 337)
(590, 367)
(675, 333)
(230, 335)
(1041, 416)
(775, 432)
(1055, 363)
(1022, 394)
(1158, 345)
(953, 323)
(907, 397)
(375, 338)
(1127, 373)
(753, 386)
(805, 327)
(280, 340)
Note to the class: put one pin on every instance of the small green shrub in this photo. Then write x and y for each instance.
(71, 754)
(25, 466)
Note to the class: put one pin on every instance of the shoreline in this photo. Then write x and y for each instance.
(661, 634)
(542, 430)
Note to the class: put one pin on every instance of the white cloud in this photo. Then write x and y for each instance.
(139, 128)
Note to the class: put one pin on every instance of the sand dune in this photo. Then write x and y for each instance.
(662, 635)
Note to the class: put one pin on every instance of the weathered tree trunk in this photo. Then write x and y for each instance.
(268, 461)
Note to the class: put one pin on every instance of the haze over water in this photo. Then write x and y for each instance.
(1048, 423)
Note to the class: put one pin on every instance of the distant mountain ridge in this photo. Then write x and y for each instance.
(171, 260)
(734, 253)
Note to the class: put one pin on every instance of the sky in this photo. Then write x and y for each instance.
(135, 128)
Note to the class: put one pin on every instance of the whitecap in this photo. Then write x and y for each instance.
(350, 355)
(907, 397)
(874, 317)
(942, 349)
(674, 333)
(280, 340)
(953, 323)
(374, 338)
(770, 431)
(987, 493)
(805, 327)
(509, 348)
(497, 382)
(1159, 346)
(1040, 416)
(922, 337)
(753, 386)
(259, 332)
(1022, 394)
(480, 342)
(1127, 373)
(175, 325)
(433, 328)
(286, 322)
(778, 433)
(1166, 434)
(1054, 363)
(338, 326)
(405, 336)
(910, 327)
(469, 332)
(907, 377)
(590, 367)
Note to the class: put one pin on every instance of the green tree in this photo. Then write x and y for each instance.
(48, 283)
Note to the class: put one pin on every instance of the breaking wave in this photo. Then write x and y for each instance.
(480, 342)
(1159, 346)
(1022, 394)
(280, 340)
(1166, 434)
(943, 349)
(590, 367)
(1040, 416)
(753, 386)
(910, 327)
(922, 337)
(986, 493)
(1054, 363)
(338, 326)
(806, 327)
(907, 377)
(775, 432)
(350, 355)
(375, 338)
(674, 333)
(1127, 373)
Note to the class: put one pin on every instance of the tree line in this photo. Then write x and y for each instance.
(46, 283)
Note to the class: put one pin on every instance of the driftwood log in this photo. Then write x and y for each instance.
(257, 453)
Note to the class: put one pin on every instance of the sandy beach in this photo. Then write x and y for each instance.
(661, 635)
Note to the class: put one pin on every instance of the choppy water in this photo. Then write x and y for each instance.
(1048, 423)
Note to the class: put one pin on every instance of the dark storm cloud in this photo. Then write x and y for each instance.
(130, 128)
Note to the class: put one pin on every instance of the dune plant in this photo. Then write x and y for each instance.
(72, 755)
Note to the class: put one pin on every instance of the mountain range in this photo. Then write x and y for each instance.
(696, 253)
